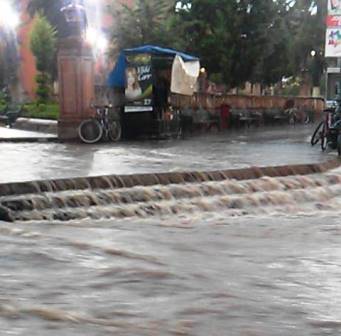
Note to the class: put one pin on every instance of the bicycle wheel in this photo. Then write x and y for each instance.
(317, 134)
(90, 131)
(115, 131)
(339, 144)
(324, 138)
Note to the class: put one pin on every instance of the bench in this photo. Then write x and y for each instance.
(10, 114)
(204, 120)
(275, 117)
(249, 118)
(281, 118)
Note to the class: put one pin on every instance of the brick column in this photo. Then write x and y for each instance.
(76, 85)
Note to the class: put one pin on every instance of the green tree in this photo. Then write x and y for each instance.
(274, 61)
(260, 41)
(51, 10)
(307, 29)
(146, 22)
(254, 40)
(231, 37)
(43, 46)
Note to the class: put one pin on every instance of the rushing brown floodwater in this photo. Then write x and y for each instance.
(218, 258)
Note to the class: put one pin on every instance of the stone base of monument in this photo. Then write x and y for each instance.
(76, 85)
(68, 129)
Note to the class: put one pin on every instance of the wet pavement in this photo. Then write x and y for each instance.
(207, 274)
(247, 258)
(261, 147)
(15, 135)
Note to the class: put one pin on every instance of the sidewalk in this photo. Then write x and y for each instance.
(15, 135)
(37, 125)
(46, 160)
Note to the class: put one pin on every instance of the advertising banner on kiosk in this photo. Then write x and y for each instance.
(139, 83)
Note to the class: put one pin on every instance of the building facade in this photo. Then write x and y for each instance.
(27, 70)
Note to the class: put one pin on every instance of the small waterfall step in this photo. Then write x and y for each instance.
(172, 199)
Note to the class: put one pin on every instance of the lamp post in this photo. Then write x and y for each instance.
(75, 72)
(316, 69)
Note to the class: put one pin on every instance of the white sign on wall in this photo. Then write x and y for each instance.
(333, 42)
(334, 7)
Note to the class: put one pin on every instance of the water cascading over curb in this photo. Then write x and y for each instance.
(143, 195)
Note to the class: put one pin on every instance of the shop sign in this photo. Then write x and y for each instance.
(334, 7)
(333, 42)
(333, 21)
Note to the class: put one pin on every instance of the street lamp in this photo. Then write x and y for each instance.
(96, 39)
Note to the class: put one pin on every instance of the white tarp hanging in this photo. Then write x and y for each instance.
(184, 76)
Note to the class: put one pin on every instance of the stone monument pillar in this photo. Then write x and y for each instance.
(76, 79)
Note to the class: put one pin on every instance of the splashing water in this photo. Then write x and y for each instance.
(193, 272)
(289, 195)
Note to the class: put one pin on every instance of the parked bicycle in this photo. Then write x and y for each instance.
(100, 127)
(327, 133)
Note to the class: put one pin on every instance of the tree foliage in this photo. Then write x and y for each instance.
(144, 22)
(307, 28)
(237, 40)
(51, 10)
(43, 46)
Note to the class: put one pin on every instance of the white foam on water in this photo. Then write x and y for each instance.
(285, 195)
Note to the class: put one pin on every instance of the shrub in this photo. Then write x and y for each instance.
(42, 111)
(43, 46)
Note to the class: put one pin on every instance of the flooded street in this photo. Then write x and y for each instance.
(252, 258)
(261, 147)
(200, 275)
(199, 206)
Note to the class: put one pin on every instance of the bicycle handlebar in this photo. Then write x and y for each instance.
(329, 110)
